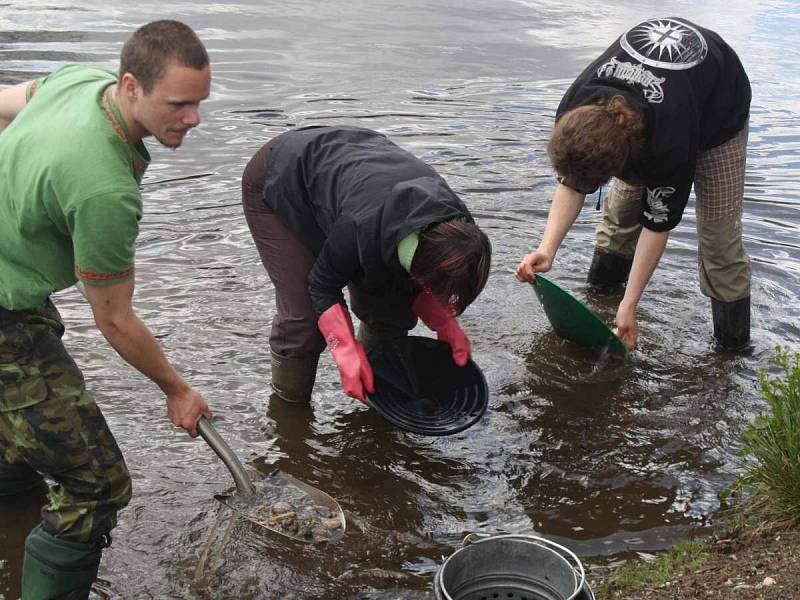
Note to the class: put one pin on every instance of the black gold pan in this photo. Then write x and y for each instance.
(419, 388)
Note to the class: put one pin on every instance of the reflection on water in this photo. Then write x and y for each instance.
(605, 455)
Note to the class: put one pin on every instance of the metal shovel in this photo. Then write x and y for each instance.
(277, 486)
(218, 445)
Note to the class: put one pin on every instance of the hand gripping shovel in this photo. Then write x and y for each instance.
(279, 502)
(257, 503)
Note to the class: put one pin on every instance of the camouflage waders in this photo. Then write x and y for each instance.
(51, 426)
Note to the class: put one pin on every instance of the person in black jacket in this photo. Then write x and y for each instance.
(664, 108)
(336, 207)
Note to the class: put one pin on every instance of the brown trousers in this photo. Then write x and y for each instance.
(722, 262)
(288, 262)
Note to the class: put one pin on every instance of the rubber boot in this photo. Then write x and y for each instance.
(731, 323)
(18, 479)
(370, 338)
(293, 378)
(58, 569)
(608, 272)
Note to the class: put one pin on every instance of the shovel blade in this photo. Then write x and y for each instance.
(277, 487)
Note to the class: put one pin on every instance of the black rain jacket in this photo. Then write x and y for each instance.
(351, 196)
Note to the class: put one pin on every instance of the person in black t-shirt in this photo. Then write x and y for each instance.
(664, 108)
(335, 207)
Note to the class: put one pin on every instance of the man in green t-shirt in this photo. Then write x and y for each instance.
(71, 160)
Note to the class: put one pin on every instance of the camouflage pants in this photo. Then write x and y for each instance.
(50, 425)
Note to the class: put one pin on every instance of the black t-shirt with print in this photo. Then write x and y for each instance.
(693, 92)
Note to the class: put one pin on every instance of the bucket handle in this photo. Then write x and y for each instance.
(580, 572)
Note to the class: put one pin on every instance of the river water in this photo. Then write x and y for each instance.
(612, 457)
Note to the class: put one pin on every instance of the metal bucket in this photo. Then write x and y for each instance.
(511, 567)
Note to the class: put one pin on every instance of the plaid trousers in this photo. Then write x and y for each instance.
(722, 262)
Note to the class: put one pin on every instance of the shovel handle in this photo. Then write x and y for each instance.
(218, 445)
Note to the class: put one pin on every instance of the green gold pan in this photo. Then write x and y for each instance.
(573, 320)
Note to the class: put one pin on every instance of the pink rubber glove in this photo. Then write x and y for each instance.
(337, 327)
(438, 317)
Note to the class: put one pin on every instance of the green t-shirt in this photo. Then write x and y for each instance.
(69, 189)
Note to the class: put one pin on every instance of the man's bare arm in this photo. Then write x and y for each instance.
(12, 100)
(130, 337)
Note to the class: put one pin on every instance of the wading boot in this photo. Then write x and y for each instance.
(293, 378)
(731, 323)
(370, 338)
(18, 479)
(608, 272)
(58, 569)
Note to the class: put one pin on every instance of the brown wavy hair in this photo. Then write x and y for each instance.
(153, 47)
(592, 143)
(452, 262)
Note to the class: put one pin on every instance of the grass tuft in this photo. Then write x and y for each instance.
(768, 493)
(686, 557)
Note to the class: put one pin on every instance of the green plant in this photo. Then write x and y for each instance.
(769, 490)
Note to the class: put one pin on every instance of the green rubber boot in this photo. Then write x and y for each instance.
(58, 569)
(18, 479)
(293, 378)
(370, 338)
